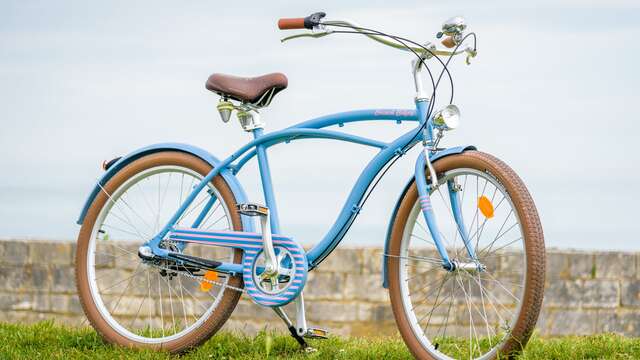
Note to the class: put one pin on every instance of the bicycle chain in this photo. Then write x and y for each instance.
(200, 278)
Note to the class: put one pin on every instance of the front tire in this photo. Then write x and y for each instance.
(486, 314)
(131, 303)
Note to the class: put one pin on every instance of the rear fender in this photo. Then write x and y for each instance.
(232, 181)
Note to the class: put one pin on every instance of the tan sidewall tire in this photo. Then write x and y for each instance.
(230, 297)
(534, 248)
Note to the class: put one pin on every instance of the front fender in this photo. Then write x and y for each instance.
(433, 158)
(233, 182)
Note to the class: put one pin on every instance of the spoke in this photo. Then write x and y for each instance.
(192, 208)
(472, 330)
(422, 227)
(473, 221)
(217, 221)
(499, 231)
(111, 255)
(157, 217)
(161, 303)
(504, 288)
(117, 204)
(144, 198)
(446, 320)
(495, 300)
(127, 222)
(181, 190)
(506, 231)
(151, 299)
(428, 289)
(173, 319)
(423, 239)
(424, 267)
(184, 311)
(123, 291)
(194, 298)
(124, 201)
(124, 250)
(484, 311)
(483, 314)
(504, 254)
(489, 298)
(445, 239)
(119, 229)
(137, 313)
(170, 288)
(422, 273)
(435, 261)
(437, 304)
(464, 188)
(505, 245)
(211, 212)
(117, 282)
(161, 202)
(504, 282)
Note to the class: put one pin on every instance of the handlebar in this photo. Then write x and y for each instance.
(308, 22)
(313, 22)
(291, 23)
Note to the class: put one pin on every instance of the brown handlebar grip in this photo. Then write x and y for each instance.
(449, 42)
(290, 24)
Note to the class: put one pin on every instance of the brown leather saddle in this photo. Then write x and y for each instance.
(258, 91)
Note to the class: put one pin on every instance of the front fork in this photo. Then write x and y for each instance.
(424, 189)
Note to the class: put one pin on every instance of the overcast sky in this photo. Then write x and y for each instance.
(553, 92)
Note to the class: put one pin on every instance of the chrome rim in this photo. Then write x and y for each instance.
(139, 300)
(464, 314)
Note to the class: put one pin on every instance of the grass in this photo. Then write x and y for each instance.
(49, 341)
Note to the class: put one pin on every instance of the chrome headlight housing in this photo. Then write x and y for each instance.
(447, 118)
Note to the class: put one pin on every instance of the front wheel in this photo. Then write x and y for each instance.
(148, 304)
(485, 312)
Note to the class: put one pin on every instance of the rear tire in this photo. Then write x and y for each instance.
(420, 342)
(199, 331)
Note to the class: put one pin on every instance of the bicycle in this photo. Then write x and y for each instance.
(168, 240)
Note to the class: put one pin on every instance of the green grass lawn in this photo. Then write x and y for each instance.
(48, 341)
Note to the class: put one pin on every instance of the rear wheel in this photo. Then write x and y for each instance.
(468, 313)
(135, 303)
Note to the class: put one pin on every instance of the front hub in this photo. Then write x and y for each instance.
(471, 267)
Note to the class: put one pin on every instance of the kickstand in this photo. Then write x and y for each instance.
(299, 339)
(293, 331)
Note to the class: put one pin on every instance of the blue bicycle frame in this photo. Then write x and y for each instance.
(316, 129)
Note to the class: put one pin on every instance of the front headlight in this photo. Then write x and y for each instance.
(447, 118)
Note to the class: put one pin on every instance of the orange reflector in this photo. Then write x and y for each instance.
(211, 276)
(485, 206)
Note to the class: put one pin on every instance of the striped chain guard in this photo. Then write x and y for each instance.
(251, 244)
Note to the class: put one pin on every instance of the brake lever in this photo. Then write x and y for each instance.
(312, 35)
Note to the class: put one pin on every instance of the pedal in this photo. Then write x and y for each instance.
(252, 209)
(313, 333)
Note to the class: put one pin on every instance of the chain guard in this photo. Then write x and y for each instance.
(251, 244)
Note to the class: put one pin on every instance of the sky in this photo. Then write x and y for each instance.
(552, 92)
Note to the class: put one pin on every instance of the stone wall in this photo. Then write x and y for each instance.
(587, 292)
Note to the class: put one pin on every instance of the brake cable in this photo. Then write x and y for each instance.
(345, 228)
